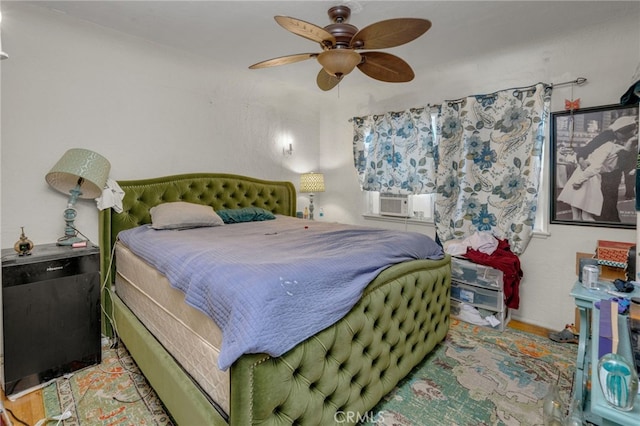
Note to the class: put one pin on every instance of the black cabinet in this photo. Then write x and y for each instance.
(50, 314)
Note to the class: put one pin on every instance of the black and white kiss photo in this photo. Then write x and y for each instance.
(593, 164)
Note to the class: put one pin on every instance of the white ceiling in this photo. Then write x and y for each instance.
(240, 33)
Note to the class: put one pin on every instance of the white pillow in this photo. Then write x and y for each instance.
(182, 215)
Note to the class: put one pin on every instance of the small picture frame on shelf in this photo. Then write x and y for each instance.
(593, 159)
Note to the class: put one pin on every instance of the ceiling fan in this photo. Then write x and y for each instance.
(340, 42)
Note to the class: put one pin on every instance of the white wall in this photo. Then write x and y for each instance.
(153, 111)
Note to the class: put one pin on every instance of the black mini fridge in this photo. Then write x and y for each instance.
(50, 314)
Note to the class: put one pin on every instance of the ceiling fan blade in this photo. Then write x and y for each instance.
(385, 67)
(283, 60)
(307, 30)
(390, 33)
(327, 81)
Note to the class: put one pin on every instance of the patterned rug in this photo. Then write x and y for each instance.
(478, 376)
(112, 393)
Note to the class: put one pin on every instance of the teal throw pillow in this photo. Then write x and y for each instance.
(245, 214)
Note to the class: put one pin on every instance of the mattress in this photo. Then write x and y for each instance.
(191, 337)
(269, 285)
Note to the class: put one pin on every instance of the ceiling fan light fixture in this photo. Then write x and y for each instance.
(339, 62)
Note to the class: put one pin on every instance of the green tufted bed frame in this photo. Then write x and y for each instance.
(346, 368)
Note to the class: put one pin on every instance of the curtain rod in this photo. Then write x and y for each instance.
(579, 81)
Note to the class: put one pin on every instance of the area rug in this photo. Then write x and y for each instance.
(477, 376)
(112, 393)
(480, 376)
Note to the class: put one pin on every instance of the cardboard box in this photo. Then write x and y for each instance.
(611, 273)
(615, 253)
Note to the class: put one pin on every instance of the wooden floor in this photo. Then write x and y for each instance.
(26, 410)
(30, 408)
(529, 328)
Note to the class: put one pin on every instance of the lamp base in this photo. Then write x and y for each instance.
(69, 241)
(311, 207)
(70, 233)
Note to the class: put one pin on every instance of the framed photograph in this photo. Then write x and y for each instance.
(594, 153)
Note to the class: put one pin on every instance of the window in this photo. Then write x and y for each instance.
(421, 206)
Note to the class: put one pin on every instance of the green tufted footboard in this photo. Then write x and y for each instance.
(345, 369)
(350, 366)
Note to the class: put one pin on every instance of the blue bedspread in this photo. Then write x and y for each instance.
(270, 285)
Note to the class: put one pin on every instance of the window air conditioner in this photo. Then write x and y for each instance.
(394, 205)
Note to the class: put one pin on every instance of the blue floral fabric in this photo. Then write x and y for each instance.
(394, 152)
(490, 153)
(482, 160)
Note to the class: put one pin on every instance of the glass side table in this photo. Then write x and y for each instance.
(596, 410)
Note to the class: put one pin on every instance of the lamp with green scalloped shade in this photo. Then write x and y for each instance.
(83, 174)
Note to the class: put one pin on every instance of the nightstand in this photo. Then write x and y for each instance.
(50, 314)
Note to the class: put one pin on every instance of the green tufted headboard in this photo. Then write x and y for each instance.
(218, 190)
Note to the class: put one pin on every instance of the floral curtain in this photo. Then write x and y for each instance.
(490, 154)
(394, 152)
